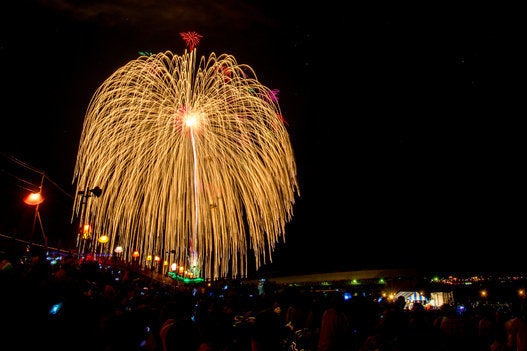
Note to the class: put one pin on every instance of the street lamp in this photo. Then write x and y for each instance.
(88, 193)
(35, 199)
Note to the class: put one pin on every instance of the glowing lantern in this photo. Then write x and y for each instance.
(104, 239)
(86, 229)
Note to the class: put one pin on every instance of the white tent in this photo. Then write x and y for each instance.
(412, 296)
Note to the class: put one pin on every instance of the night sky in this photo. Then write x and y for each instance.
(406, 121)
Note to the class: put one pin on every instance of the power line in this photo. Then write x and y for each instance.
(33, 169)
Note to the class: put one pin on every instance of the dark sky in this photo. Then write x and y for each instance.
(406, 121)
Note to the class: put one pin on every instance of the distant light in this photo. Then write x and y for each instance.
(118, 249)
(104, 239)
(86, 229)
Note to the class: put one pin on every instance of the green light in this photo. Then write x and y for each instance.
(185, 280)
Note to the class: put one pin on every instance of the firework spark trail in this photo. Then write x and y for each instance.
(219, 187)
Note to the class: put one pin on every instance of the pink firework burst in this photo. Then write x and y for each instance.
(191, 38)
(273, 95)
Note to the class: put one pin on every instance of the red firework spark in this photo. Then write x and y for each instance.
(282, 119)
(191, 38)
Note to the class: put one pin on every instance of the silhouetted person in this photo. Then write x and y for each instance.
(178, 331)
(516, 330)
(335, 333)
(267, 331)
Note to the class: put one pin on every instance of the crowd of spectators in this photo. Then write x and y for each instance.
(76, 305)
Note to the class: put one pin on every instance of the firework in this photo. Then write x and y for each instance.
(194, 160)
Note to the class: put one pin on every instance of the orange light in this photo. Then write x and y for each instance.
(86, 229)
(34, 199)
(135, 254)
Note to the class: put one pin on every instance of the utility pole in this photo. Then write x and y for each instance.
(85, 227)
